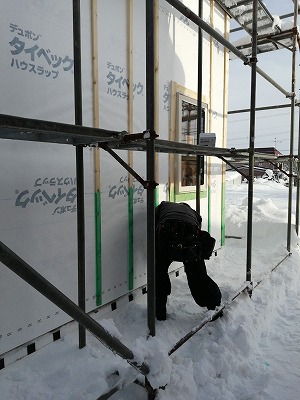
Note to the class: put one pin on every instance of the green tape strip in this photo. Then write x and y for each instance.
(208, 208)
(223, 214)
(189, 196)
(130, 239)
(98, 249)
(172, 193)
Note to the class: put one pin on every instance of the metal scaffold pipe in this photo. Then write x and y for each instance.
(207, 28)
(150, 147)
(265, 108)
(199, 110)
(291, 165)
(251, 141)
(298, 185)
(274, 83)
(79, 168)
(43, 286)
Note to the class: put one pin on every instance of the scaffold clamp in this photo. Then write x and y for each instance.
(150, 184)
(251, 60)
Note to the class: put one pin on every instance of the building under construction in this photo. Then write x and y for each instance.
(101, 122)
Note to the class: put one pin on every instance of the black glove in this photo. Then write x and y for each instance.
(207, 243)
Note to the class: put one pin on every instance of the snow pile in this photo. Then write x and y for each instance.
(252, 352)
(154, 353)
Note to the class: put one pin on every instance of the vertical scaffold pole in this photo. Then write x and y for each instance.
(298, 183)
(199, 112)
(253, 61)
(150, 166)
(79, 167)
(293, 95)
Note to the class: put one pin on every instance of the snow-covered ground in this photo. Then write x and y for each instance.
(252, 352)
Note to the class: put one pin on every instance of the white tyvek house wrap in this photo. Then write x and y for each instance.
(41, 231)
(37, 180)
(217, 105)
(113, 115)
(33, 225)
(113, 75)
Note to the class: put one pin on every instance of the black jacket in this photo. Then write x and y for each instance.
(176, 211)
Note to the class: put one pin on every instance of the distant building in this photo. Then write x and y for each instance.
(261, 165)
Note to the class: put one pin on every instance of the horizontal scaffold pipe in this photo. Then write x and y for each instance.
(168, 146)
(42, 285)
(265, 108)
(207, 28)
(19, 128)
(240, 28)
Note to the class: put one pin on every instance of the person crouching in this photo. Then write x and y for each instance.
(179, 238)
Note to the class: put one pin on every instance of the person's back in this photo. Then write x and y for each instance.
(178, 238)
(167, 211)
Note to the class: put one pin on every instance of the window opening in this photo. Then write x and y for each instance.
(187, 133)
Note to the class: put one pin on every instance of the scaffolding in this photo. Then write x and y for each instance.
(16, 128)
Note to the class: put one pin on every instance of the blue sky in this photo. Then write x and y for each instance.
(272, 127)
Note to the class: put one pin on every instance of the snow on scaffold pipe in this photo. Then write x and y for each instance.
(246, 285)
(121, 384)
(43, 286)
(249, 286)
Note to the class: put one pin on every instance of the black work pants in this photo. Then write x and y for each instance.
(204, 290)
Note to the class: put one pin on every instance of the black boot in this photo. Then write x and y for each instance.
(161, 308)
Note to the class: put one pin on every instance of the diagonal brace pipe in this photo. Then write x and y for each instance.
(234, 167)
(146, 184)
(42, 285)
(208, 29)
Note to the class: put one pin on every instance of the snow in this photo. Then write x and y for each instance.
(276, 23)
(252, 352)
(233, 177)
